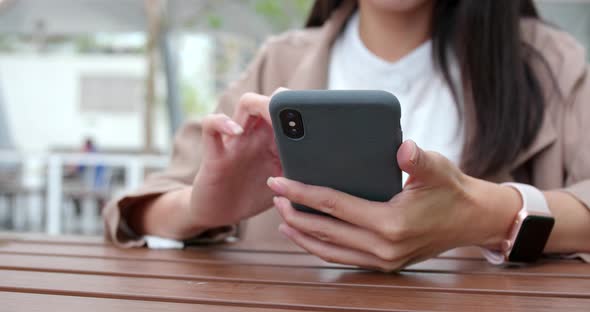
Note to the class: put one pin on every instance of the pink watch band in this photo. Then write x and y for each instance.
(533, 203)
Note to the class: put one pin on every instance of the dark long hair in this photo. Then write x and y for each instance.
(497, 76)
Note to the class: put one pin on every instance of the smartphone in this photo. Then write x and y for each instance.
(343, 139)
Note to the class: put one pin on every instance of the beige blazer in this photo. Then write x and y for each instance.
(559, 158)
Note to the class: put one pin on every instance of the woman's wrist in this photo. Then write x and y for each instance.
(167, 215)
(494, 210)
(190, 225)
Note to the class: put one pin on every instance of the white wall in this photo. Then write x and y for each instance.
(41, 95)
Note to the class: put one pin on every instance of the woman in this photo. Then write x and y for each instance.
(498, 94)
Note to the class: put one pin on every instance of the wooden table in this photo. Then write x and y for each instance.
(40, 273)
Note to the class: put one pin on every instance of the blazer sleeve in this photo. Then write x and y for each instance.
(577, 137)
(184, 164)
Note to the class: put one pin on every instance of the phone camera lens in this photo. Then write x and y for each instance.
(292, 123)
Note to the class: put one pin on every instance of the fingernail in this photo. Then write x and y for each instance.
(233, 127)
(286, 230)
(281, 203)
(276, 200)
(413, 153)
(276, 185)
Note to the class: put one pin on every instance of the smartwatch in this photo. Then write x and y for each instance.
(530, 231)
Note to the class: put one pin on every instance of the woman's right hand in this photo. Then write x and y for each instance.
(239, 155)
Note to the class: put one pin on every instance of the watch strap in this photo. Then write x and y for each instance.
(533, 199)
(533, 202)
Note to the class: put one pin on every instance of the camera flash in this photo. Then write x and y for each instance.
(292, 123)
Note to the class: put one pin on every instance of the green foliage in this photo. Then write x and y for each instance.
(303, 6)
(282, 15)
(86, 44)
(270, 8)
(192, 103)
(214, 21)
(7, 44)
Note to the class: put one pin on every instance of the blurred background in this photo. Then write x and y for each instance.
(91, 91)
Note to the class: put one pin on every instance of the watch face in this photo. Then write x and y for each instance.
(531, 239)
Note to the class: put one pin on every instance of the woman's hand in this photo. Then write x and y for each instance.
(440, 208)
(239, 155)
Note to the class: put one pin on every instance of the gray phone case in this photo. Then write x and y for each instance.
(350, 141)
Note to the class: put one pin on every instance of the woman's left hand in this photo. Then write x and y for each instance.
(439, 209)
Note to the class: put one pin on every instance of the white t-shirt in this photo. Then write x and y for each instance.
(430, 114)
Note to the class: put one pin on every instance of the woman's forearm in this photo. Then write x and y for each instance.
(571, 232)
(167, 215)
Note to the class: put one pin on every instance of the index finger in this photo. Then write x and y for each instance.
(346, 207)
(252, 105)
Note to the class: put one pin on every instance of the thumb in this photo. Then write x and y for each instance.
(419, 164)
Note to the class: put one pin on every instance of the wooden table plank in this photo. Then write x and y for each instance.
(69, 272)
(32, 302)
(240, 245)
(563, 268)
(144, 254)
(498, 284)
(47, 238)
(273, 296)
